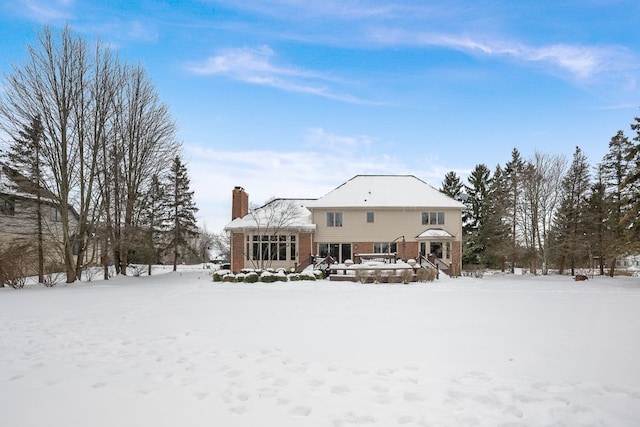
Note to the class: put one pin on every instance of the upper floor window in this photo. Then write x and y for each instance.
(7, 206)
(370, 217)
(432, 218)
(54, 214)
(334, 219)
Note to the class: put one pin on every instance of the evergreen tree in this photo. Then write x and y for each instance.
(475, 215)
(182, 209)
(25, 155)
(571, 221)
(156, 215)
(615, 171)
(496, 229)
(452, 185)
(632, 182)
(513, 179)
(596, 217)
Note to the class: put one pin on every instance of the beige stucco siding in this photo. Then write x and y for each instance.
(389, 224)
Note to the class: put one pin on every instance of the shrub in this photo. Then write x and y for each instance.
(267, 277)
(230, 277)
(294, 277)
(90, 273)
(377, 275)
(14, 264)
(218, 275)
(426, 274)
(251, 277)
(407, 275)
(362, 275)
(307, 275)
(138, 269)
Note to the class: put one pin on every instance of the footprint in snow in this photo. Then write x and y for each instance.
(340, 390)
(302, 411)
(238, 410)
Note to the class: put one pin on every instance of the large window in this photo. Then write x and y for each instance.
(432, 218)
(334, 219)
(385, 248)
(272, 248)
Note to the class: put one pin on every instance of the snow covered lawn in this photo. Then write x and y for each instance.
(179, 350)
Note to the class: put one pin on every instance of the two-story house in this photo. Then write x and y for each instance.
(369, 214)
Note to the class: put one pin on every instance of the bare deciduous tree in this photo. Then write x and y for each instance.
(271, 221)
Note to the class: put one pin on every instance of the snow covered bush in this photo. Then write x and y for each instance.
(294, 277)
(52, 279)
(251, 277)
(137, 269)
(218, 275)
(230, 277)
(307, 275)
(267, 277)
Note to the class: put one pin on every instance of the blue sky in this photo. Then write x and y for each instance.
(291, 98)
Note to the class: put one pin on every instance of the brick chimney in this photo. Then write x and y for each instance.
(239, 203)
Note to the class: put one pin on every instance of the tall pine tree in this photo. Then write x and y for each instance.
(474, 217)
(452, 185)
(632, 182)
(182, 209)
(155, 219)
(514, 172)
(571, 222)
(615, 170)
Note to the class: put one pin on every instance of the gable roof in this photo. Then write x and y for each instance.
(385, 191)
(279, 214)
(16, 184)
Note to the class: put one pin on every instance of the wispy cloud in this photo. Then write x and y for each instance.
(45, 10)
(580, 62)
(256, 66)
(318, 137)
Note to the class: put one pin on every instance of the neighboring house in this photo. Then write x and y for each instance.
(629, 262)
(398, 215)
(18, 210)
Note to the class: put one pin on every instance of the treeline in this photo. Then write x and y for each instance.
(94, 135)
(549, 212)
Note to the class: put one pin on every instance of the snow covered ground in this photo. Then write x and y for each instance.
(179, 350)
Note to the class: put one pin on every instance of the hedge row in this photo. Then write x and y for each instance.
(264, 276)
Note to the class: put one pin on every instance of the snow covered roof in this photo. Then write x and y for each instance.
(435, 232)
(385, 191)
(16, 184)
(277, 214)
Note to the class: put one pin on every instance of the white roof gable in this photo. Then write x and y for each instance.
(279, 214)
(385, 191)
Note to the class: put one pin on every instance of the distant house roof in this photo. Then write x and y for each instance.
(385, 191)
(279, 214)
